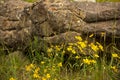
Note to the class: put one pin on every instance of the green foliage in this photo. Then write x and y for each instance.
(70, 61)
(30, 0)
(12, 65)
(80, 57)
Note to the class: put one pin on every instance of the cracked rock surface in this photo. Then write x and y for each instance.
(12, 32)
(56, 22)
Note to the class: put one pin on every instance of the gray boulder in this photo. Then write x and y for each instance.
(12, 31)
(56, 22)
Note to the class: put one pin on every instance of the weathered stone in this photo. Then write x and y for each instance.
(108, 27)
(12, 31)
(62, 38)
(56, 22)
(12, 8)
(94, 12)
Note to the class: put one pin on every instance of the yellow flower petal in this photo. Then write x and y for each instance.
(48, 76)
(77, 57)
(12, 78)
(42, 62)
(91, 35)
(60, 64)
(78, 38)
(115, 55)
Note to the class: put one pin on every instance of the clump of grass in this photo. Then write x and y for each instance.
(30, 0)
(11, 66)
(81, 58)
(70, 61)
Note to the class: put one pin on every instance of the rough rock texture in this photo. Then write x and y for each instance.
(56, 22)
(12, 32)
(95, 12)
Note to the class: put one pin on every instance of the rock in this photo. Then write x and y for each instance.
(107, 27)
(62, 38)
(12, 8)
(12, 31)
(56, 22)
(95, 12)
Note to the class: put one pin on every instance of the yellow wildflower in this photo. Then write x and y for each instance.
(53, 67)
(69, 48)
(37, 70)
(73, 51)
(78, 38)
(103, 34)
(63, 52)
(82, 44)
(96, 55)
(57, 48)
(114, 68)
(77, 57)
(49, 50)
(86, 61)
(82, 51)
(43, 78)
(100, 46)
(29, 67)
(36, 75)
(12, 78)
(94, 47)
(70, 44)
(85, 41)
(45, 70)
(42, 62)
(60, 64)
(93, 61)
(115, 55)
(91, 35)
(32, 65)
(48, 76)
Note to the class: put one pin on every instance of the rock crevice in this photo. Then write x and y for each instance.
(56, 22)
